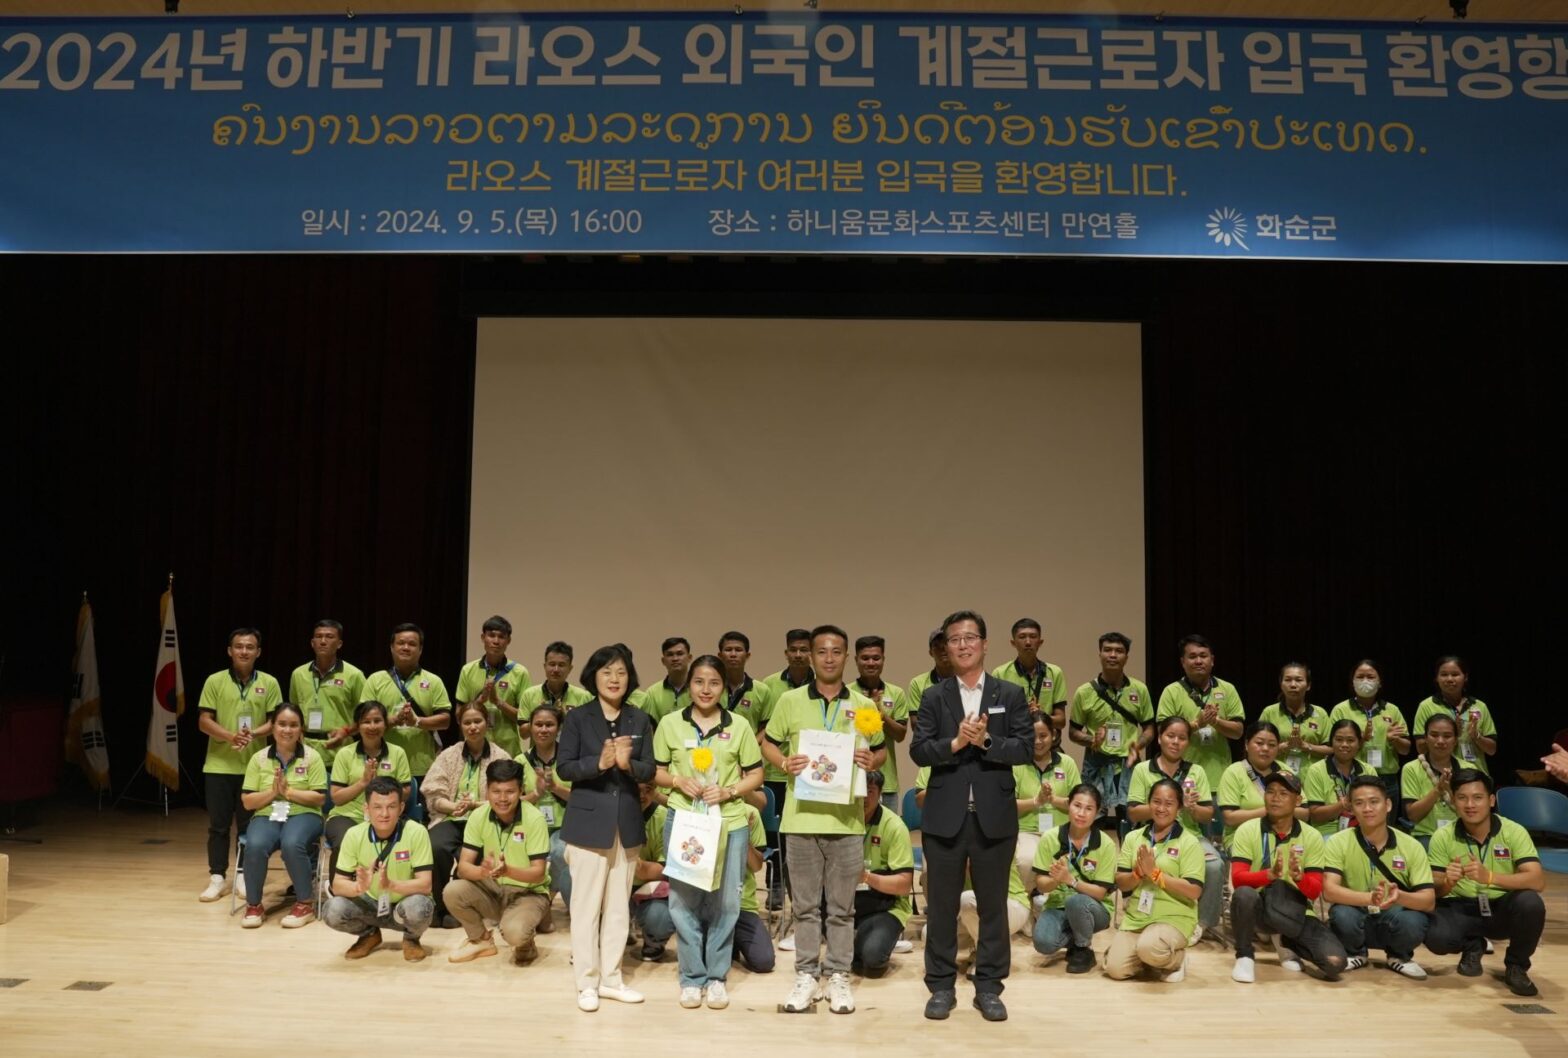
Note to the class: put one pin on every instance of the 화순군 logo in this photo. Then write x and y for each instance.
(1227, 226)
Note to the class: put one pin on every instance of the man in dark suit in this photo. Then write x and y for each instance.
(970, 731)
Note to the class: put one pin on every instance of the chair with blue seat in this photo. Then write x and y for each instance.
(1540, 811)
(236, 892)
(770, 823)
(912, 815)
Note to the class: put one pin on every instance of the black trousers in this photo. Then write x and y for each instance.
(446, 844)
(875, 935)
(1280, 908)
(776, 868)
(988, 863)
(337, 827)
(1458, 926)
(224, 809)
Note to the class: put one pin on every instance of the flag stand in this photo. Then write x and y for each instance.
(163, 791)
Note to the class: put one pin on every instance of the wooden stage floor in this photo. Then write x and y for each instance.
(111, 898)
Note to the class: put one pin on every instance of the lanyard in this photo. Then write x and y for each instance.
(244, 690)
(1268, 832)
(383, 854)
(1032, 686)
(1342, 782)
(498, 671)
(501, 833)
(1074, 858)
(1480, 850)
(1056, 757)
(1199, 698)
(703, 740)
(828, 723)
(402, 688)
(470, 777)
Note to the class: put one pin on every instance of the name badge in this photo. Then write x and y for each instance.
(280, 812)
(1375, 758)
(315, 720)
(1146, 901)
(997, 709)
(1205, 735)
(1294, 762)
(244, 721)
(691, 743)
(549, 814)
(1467, 751)
(1113, 737)
(1441, 823)
(1485, 904)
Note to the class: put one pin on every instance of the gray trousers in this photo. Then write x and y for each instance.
(824, 866)
(411, 914)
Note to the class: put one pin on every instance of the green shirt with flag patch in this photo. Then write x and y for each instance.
(1345, 855)
(888, 851)
(533, 697)
(758, 838)
(1415, 782)
(800, 710)
(898, 706)
(552, 808)
(1061, 772)
(1314, 725)
(511, 680)
(1241, 788)
(1180, 855)
(1384, 715)
(752, 701)
(735, 754)
(659, 701)
(1211, 753)
(1322, 784)
(1466, 753)
(425, 689)
(525, 842)
(1090, 710)
(1260, 849)
(1095, 864)
(1045, 687)
(1508, 846)
(777, 684)
(327, 701)
(307, 771)
(1147, 772)
(237, 706)
(348, 767)
(410, 854)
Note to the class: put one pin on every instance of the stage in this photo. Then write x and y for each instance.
(108, 952)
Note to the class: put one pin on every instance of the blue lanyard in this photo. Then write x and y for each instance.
(382, 856)
(1074, 858)
(1268, 861)
(498, 671)
(827, 722)
(402, 687)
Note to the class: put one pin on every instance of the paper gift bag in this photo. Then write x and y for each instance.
(695, 854)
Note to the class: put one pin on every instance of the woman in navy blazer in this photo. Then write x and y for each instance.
(606, 749)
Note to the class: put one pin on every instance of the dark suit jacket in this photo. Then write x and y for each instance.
(603, 802)
(988, 771)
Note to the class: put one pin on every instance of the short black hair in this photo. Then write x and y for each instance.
(874, 777)
(1165, 783)
(795, 635)
(407, 626)
(1466, 776)
(865, 642)
(829, 630)
(1367, 780)
(602, 657)
(1174, 718)
(495, 623)
(1086, 788)
(504, 771)
(559, 647)
(1115, 637)
(244, 632)
(383, 784)
(1440, 718)
(664, 647)
(327, 622)
(739, 637)
(1192, 640)
(963, 615)
(1026, 622)
(1346, 724)
(1257, 726)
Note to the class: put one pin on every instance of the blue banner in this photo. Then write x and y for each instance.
(786, 133)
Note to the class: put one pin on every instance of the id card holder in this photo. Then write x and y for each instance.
(1485, 904)
(1045, 822)
(1374, 758)
(1146, 901)
(1293, 762)
(1344, 822)
(1113, 737)
(1205, 735)
(244, 721)
(315, 720)
(383, 905)
(549, 814)
(1467, 750)
(1441, 823)
(280, 812)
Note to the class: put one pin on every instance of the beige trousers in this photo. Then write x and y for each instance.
(601, 912)
(1157, 946)
(517, 911)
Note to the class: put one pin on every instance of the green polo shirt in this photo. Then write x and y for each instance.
(511, 680)
(1260, 849)
(1061, 772)
(1323, 784)
(1466, 753)
(1182, 699)
(327, 701)
(1045, 688)
(888, 852)
(349, 766)
(1314, 726)
(1345, 855)
(758, 837)
(653, 832)
(1415, 782)
(777, 684)
(753, 702)
(425, 689)
(1385, 715)
(892, 696)
(1147, 772)
(1179, 854)
(570, 698)
(735, 755)
(916, 688)
(1239, 788)
(551, 807)
(1507, 848)
(1095, 863)
(307, 771)
(1090, 709)
(800, 710)
(236, 704)
(410, 854)
(522, 844)
(660, 700)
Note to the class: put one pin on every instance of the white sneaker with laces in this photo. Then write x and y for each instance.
(788, 943)
(620, 994)
(691, 997)
(217, 888)
(1245, 971)
(802, 995)
(1178, 974)
(840, 999)
(717, 995)
(903, 947)
(1411, 969)
(588, 1000)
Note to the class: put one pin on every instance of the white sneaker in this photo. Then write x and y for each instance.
(903, 947)
(1037, 902)
(217, 888)
(1288, 960)
(1355, 962)
(1197, 936)
(1411, 969)
(588, 1000)
(254, 917)
(1178, 974)
(621, 994)
(802, 995)
(788, 943)
(1245, 971)
(1489, 949)
(840, 999)
(717, 995)
(691, 997)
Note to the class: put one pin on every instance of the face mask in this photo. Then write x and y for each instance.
(1366, 688)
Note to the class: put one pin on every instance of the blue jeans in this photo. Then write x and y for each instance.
(1211, 902)
(1109, 775)
(1398, 931)
(705, 922)
(1078, 922)
(560, 877)
(358, 916)
(653, 916)
(295, 837)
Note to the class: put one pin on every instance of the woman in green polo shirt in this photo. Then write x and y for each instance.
(355, 765)
(1427, 781)
(1384, 736)
(1075, 868)
(1041, 788)
(1172, 736)
(1325, 787)
(708, 759)
(1303, 727)
(544, 727)
(1477, 731)
(1240, 795)
(1161, 871)
(284, 789)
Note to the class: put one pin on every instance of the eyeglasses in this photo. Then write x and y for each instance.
(968, 639)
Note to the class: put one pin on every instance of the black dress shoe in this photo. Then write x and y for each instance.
(1080, 960)
(941, 1004)
(1519, 982)
(990, 1006)
(1470, 962)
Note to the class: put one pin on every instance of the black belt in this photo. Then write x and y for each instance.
(320, 735)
